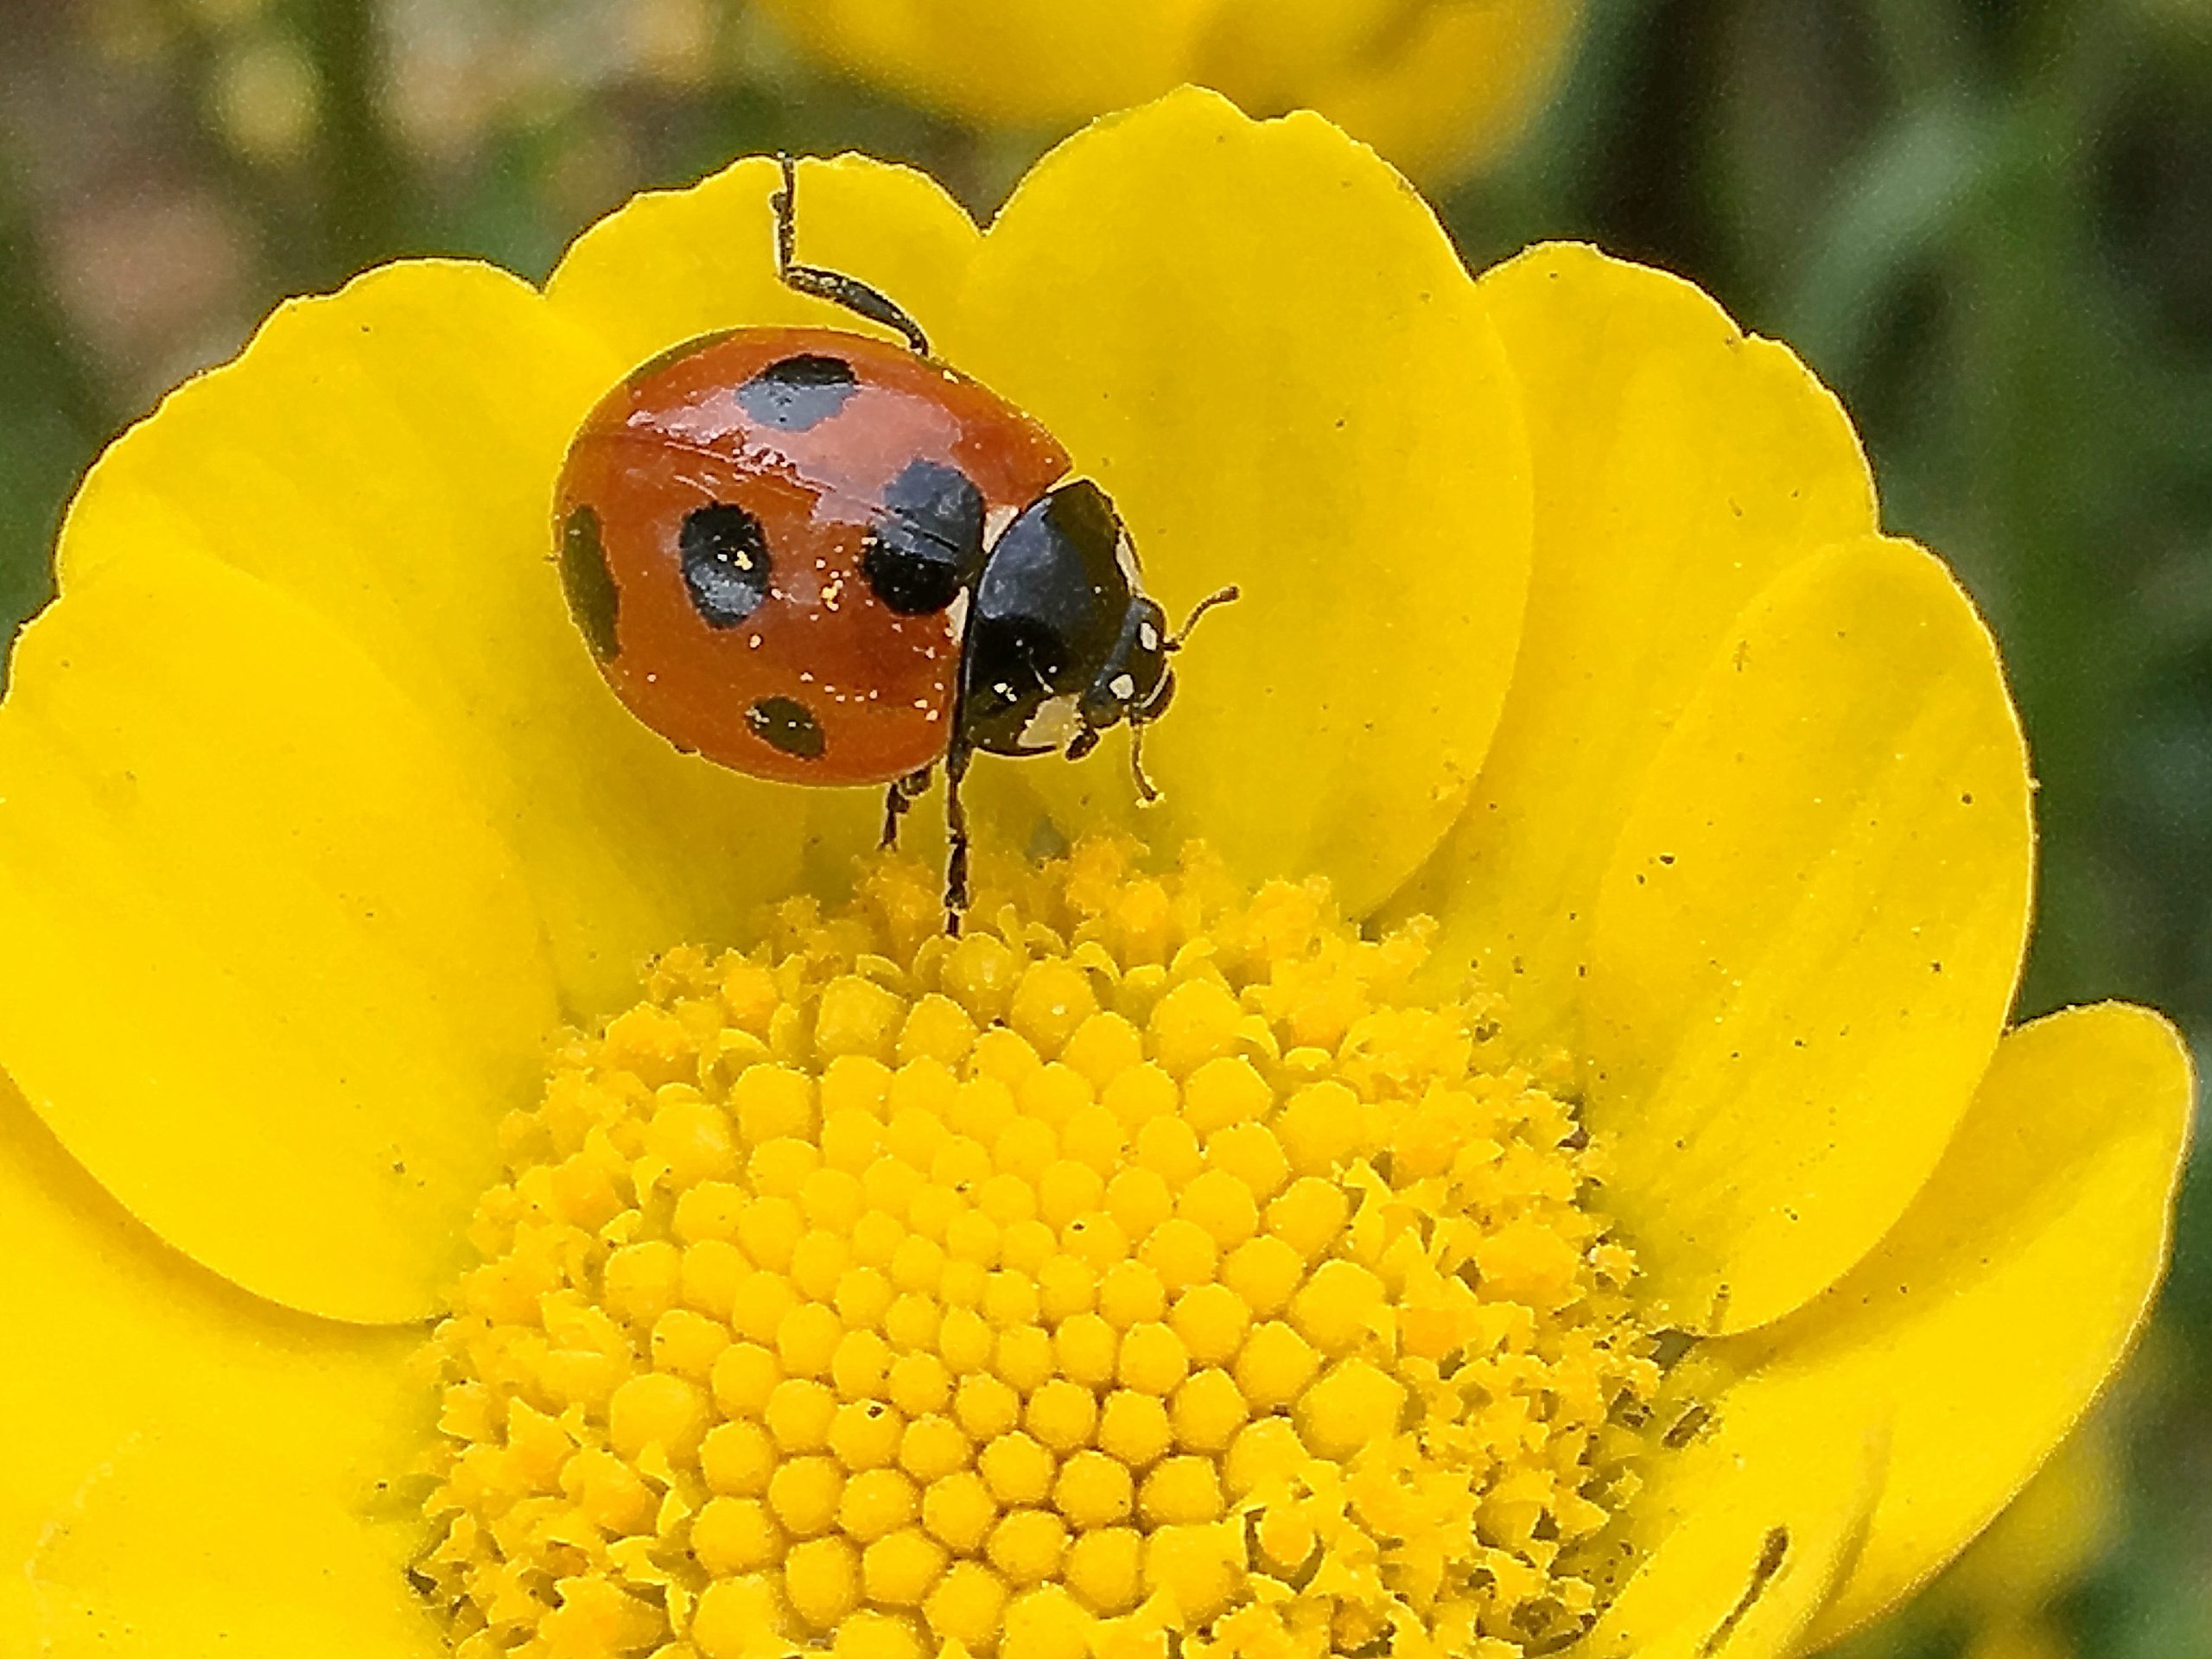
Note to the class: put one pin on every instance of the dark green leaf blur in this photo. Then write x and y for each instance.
(1987, 226)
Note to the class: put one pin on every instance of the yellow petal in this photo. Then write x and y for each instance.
(674, 264)
(1169, 292)
(190, 1470)
(269, 972)
(387, 456)
(1997, 1306)
(1443, 88)
(1808, 934)
(1746, 1530)
(1678, 465)
(1011, 62)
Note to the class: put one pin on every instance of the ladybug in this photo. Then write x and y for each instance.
(824, 557)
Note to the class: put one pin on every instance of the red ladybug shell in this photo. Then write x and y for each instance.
(793, 436)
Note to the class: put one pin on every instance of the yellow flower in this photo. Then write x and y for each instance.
(1439, 86)
(1668, 1239)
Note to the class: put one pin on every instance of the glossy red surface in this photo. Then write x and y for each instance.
(674, 437)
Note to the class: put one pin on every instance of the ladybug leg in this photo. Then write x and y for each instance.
(833, 286)
(902, 794)
(955, 837)
(1146, 793)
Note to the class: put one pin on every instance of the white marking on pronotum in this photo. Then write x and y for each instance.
(1147, 636)
(1123, 686)
(1125, 555)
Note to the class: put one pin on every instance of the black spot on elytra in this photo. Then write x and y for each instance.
(725, 558)
(593, 600)
(784, 724)
(927, 544)
(798, 393)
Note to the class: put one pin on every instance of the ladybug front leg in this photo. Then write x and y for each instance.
(901, 794)
(834, 286)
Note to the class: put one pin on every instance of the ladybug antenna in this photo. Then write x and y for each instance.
(1146, 793)
(1222, 597)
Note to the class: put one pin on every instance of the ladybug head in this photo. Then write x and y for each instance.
(1136, 683)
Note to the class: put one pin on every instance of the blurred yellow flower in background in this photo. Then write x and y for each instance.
(1521, 1146)
(1438, 87)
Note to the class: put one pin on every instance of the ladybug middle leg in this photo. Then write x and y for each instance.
(901, 793)
(838, 288)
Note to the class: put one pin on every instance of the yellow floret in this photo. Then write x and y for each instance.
(656, 1410)
(959, 1510)
(1275, 1366)
(1106, 1568)
(799, 1413)
(1134, 1427)
(932, 1447)
(732, 1614)
(877, 1502)
(1211, 1321)
(899, 1571)
(1017, 1470)
(803, 1493)
(737, 1457)
(736, 1534)
(965, 1606)
(1044, 1624)
(1061, 1414)
(1354, 1405)
(1207, 1411)
(1093, 1489)
(822, 1580)
(1027, 1545)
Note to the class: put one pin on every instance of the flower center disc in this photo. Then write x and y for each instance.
(1142, 1268)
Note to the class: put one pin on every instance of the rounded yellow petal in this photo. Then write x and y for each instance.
(387, 456)
(1440, 90)
(1997, 1307)
(1004, 62)
(190, 1470)
(270, 973)
(674, 264)
(1746, 1530)
(1808, 935)
(1678, 465)
(1339, 437)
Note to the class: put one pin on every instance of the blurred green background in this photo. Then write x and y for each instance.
(1988, 225)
